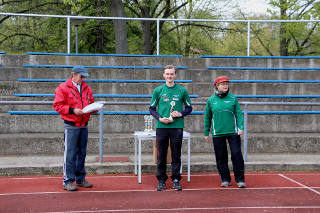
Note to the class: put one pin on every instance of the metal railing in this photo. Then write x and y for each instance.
(74, 18)
(245, 117)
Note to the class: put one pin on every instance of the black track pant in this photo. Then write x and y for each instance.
(163, 135)
(221, 152)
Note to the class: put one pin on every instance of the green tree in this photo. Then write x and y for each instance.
(151, 9)
(297, 38)
(25, 33)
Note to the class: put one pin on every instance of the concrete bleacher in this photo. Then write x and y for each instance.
(133, 78)
(102, 54)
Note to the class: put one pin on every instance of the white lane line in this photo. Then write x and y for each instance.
(152, 190)
(193, 209)
(300, 184)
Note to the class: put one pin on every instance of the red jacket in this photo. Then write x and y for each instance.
(67, 96)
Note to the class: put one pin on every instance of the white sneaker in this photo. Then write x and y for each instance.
(225, 184)
(241, 185)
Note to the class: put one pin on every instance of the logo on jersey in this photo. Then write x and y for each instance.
(164, 96)
(175, 97)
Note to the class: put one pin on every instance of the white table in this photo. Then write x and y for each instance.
(140, 136)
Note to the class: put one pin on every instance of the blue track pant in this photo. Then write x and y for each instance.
(75, 150)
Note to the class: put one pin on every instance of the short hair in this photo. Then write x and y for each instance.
(169, 67)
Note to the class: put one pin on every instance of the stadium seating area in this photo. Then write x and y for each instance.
(120, 78)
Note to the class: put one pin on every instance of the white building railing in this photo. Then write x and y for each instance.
(70, 18)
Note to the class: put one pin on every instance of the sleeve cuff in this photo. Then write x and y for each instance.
(71, 110)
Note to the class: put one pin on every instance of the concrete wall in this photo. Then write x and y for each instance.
(267, 133)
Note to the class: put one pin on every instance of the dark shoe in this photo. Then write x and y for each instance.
(161, 186)
(85, 184)
(176, 186)
(225, 184)
(241, 185)
(70, 187)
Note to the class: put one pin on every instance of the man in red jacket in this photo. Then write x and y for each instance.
(70, 98)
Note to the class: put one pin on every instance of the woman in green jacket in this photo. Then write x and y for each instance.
(223, 117)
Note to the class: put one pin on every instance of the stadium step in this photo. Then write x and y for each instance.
(204, 89)
(52, 143)
(264, 123)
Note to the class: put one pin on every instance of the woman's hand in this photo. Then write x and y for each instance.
(207, 138)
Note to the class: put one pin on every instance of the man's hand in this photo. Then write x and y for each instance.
(165, 120)
(176, 114)
(207, 138)
(77, 112)
(240, 132)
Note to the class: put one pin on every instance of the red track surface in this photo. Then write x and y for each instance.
(266, 192)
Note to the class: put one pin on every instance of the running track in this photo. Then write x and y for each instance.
(266, 192)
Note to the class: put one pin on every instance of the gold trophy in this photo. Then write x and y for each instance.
(150, 117)
(148, 123)
(172, 104)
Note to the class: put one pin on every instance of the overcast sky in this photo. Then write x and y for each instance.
(254, 6)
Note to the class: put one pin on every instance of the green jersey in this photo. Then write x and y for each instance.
(162, 97)
(223, 116)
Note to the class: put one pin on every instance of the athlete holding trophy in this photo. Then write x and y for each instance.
(167, 108)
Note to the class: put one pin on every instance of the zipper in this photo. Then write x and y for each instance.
(81, 103)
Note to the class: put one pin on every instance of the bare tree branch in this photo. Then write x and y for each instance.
(29, 9)
(308, 37)
(14, 35)
(127, 5)
(203, 26)
(153, 12)
(9, 2)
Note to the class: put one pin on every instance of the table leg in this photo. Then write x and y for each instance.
(139, 154)
(135, 156)
(181, 158)
(189, 159)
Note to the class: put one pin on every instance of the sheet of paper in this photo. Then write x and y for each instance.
(92, 107)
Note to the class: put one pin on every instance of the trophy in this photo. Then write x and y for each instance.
(172, 103)
(148, 123)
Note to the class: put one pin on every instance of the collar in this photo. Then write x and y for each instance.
(171, 86)
(76, 85)
(221, 94)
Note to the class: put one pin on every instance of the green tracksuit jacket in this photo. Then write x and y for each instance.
(223, 116)
(161, 98)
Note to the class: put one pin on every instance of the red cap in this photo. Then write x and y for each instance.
(221, 79)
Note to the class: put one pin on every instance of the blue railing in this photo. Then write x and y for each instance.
(101, 113)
